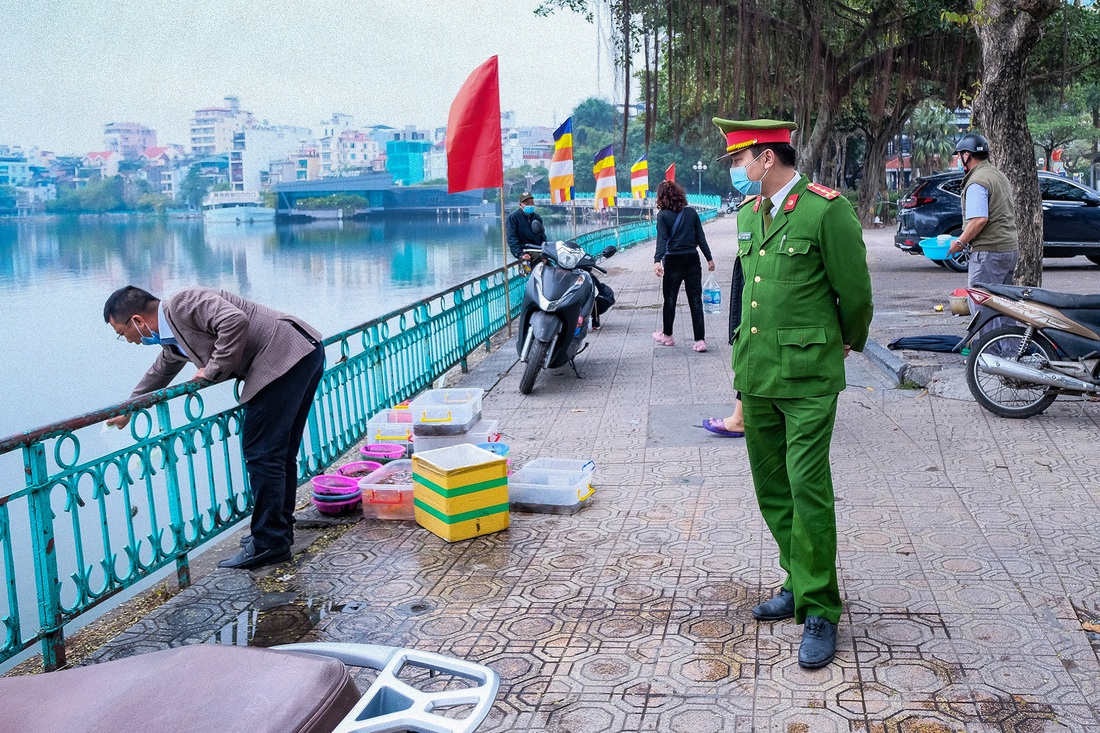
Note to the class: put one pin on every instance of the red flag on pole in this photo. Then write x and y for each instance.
(474, 157)
(670, 173)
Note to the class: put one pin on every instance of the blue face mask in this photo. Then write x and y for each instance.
(739, 177)
(153, 339)
(528, 209)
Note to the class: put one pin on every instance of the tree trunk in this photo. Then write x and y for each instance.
(648, 99)
(873, 181)
(722, 102)
(672, 96)
(1008, 30)
(811, 146)
(626, 72)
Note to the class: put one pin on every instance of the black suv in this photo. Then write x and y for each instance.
(1071, 216)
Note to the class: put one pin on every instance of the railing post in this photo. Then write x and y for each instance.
(45, 558)
(463, 348)
(175, 506)
(487, 309)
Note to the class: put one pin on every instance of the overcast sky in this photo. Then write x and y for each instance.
(70, 66)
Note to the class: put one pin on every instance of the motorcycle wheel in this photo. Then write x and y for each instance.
(535, 357)
(1003, 396)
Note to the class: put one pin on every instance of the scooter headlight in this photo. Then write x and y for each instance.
(567, 256)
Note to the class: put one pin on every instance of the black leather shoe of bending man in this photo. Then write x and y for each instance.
(818, 645)
(249, 559)
(780, 606)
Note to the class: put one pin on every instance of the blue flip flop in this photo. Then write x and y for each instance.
(717, 426)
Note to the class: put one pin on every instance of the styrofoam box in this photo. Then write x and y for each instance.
(479, 433)
(548, 491)
(446, 411)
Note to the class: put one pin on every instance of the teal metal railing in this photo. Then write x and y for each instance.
(91, 519)
(627, 235)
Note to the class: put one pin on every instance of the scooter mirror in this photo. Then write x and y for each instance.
(609, 251)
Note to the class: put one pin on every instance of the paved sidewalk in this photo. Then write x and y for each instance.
(968, 559)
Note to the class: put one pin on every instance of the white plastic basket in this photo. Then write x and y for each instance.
(540, 488)
(481, 432)
(446, 411)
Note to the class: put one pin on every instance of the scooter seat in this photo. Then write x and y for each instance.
(204, 687)
(1072, 301)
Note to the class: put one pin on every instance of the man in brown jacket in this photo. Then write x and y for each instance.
(279, 357)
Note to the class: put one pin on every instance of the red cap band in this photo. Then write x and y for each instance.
(745, 138)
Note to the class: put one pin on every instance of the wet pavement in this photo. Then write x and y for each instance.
(968, 556)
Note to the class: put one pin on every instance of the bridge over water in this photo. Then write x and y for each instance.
(383, 197)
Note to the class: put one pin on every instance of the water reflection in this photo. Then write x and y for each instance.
(58, 359)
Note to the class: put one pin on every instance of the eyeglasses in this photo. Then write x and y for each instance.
(121, 336)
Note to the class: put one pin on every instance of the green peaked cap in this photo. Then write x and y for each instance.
(746, 133)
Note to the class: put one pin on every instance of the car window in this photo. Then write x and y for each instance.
(954, 186)
(1054, 189)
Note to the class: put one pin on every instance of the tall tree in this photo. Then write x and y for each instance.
(1007, 31)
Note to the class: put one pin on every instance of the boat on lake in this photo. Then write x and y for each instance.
(236, 207)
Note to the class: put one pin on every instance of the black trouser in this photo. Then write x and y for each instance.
(274, 421)
(684, 269)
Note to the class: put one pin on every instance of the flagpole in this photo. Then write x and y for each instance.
(573, 207)
(504, 245)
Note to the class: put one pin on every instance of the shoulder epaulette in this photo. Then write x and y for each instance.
(823, 191)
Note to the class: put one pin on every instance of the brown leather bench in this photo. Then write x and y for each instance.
(203, 688)
(208, 688)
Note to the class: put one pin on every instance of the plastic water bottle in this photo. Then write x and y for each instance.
(712, 296)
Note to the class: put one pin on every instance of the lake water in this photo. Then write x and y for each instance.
(59, 359)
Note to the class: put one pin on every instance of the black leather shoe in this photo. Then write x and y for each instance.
(818, 645)
(780, 606)
(247, 540)
(249, 559)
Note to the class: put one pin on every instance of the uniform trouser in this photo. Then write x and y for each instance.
(684, 269)
(274, 420)
(788, 444)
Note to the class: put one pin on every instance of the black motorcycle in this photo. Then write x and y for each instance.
(561, 303)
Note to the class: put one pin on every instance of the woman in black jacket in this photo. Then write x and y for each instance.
(679, 234)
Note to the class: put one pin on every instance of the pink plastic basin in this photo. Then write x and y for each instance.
(382, 452)
(337, 507)
(328, 483)
(358, 469)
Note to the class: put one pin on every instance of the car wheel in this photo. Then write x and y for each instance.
(1094, 259)
(958, 262)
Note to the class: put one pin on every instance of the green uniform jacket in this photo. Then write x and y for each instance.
(807, 293)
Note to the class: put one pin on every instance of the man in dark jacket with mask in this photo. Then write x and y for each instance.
(522, 228)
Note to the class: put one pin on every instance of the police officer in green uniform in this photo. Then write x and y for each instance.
(805, 304)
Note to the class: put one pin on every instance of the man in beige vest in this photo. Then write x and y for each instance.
(989, 217)
(279, 357)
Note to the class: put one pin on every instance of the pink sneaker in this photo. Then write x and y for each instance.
(699, 346)
(662, 339)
